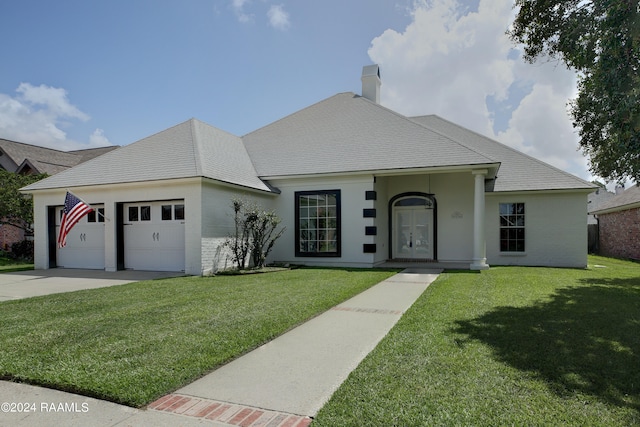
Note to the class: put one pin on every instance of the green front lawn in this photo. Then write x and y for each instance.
(8, 265)
(134, 343)
(508, 346)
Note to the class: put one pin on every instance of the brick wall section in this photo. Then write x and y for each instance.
(620, 234)
(215, 256)
(9, 235)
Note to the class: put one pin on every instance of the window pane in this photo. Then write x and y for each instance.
(317, 223)
(91, 216)
(413, 201)
(178, 212)
(145, 213)
(100, 214)
(133, 213)
(512, 231)
(166, 212)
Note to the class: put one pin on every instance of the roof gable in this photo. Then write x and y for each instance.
(518, 171)
(46, 160)
(349, 133)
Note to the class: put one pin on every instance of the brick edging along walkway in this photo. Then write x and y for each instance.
(228, 413)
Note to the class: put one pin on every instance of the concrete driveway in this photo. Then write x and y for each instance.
(25, 284)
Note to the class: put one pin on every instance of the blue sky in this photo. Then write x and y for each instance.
(78, 74)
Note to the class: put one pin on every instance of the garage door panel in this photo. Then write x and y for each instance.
(153, 237)
(85, 243)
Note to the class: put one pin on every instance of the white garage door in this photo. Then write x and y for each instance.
(154, 236)
(85, 241)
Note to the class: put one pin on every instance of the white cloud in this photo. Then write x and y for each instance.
(98, 139)
(238, 8)
(39, 114)
(53, 99)
(450, 60)
(278, 17)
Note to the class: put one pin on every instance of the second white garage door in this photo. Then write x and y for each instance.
(154, 236)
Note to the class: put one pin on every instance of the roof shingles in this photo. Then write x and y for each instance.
(48, 160)
(343, 134)
(348, 133)
(518, 171)
(630, 198)
(189, 149)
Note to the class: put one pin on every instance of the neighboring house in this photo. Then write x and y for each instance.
(356, 184)
(29, 159)
(619, 225)
(594, 201)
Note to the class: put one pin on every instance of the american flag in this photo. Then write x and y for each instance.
(73, 210)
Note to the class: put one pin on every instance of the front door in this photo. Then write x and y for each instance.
(413, 228)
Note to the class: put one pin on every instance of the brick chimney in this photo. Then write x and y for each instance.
(371, 82)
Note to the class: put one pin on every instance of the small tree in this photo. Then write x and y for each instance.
(239, 241)
(254, 234)
(264, 236)
(16, 208)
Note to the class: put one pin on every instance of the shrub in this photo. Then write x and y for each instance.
(23, 250)
(255, 233)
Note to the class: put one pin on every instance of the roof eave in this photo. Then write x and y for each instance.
(616, 209)
(491, 167)
(544, 190)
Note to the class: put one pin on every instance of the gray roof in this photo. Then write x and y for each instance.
(349, 133)
(343, 134)
(628, 199)
(518, 171)
(47, 160)
(190, 149)
(90, 153)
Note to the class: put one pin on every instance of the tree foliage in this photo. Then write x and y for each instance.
(255, 232)
(16, 208)
(601, 40)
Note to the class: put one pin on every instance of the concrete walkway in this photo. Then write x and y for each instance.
(284, 382)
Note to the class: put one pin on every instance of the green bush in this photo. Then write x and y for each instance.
(23, 250)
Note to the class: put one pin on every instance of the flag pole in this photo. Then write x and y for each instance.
(88, 204)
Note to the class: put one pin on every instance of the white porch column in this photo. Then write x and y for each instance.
(479, 243)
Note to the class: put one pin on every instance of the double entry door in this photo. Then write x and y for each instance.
(413, 232)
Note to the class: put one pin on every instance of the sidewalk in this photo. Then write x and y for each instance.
(284, 382)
